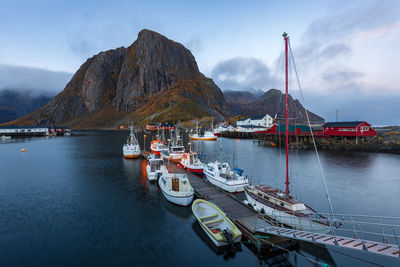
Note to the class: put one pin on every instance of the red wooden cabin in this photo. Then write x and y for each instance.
(349, 128)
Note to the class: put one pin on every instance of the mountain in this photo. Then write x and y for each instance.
(15, 103)
(271, 102)
(154, 79)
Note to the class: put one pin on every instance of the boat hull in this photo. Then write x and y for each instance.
(156, 152)
(152, 176)
(226, 187)
(216, 242)
(299, 223)
(131, 156)
(204, 138)
(178, 200)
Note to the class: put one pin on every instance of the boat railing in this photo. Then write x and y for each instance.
(364, 227)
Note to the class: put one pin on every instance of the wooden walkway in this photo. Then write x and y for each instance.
(328, 239)
(245, 218)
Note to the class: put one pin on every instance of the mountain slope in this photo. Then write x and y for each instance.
(154, 79)
(271, 102)
(15, 104)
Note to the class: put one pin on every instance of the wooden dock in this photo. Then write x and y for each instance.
(245, 218)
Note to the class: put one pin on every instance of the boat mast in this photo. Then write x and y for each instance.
(285, 36)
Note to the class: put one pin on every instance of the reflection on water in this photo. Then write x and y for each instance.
(75, 200)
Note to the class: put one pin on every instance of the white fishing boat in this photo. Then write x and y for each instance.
(282, 206)
(176, 187)
(131, 148)
(221, 175)
(206, 136)
(153, 167)
(176, 149)
(191, 162)
(218, 227)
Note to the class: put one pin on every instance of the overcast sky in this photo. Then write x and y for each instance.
(346, 52)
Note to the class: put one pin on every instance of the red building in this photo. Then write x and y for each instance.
(349, 128)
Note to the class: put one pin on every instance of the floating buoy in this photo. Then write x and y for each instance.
(23, 150)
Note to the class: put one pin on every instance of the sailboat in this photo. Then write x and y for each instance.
(280, 205)
(207, 135)
(131, 148)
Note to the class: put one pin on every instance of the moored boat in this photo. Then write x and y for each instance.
(131, 148)
(285, 208)
(221, 175)
(218, 227)
(176, 187)
(175, 151)
(207, 136)
(153, 167)
(191, 162)
(281, 205)
(5, 137)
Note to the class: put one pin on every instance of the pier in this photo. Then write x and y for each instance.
(245, 217)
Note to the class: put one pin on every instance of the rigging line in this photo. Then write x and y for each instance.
(312, 134)
(277, 66)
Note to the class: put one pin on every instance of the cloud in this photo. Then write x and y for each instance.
(241, 74)
(32, 79)
(355, 104)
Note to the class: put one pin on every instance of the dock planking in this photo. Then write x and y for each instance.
(244, 217)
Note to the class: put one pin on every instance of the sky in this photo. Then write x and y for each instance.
(346, 52)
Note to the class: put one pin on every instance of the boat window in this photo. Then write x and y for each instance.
(282, 204)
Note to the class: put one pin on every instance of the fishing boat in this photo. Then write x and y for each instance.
(131, 148)
(176, 187)
(153, 167)
(158, 144)
(206, 136)
(218, 227)
(176, 149)
(282, 206)
(191, 162)
(221, 175)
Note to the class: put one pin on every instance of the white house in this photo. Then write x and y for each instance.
(263, 120)
(249, 128)
(243, 122)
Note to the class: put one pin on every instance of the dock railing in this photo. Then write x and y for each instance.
(363, 227)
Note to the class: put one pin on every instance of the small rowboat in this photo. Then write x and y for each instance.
(215, 223)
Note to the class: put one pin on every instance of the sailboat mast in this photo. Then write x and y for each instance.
(285, 36)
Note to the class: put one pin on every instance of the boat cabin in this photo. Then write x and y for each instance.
(155, 164)
(278, 198)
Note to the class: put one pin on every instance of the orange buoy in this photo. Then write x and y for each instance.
(23, 150)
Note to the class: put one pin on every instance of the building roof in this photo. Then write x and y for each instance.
(242, 119)
(342, 124)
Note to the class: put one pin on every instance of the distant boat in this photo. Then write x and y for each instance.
(206, 136)
(153, 167)
(191, 162)
(176, 187)
(218, 227)
(221, 175)
(131, 148)
(5, 137)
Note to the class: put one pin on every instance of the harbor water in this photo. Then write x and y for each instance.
(76, 201)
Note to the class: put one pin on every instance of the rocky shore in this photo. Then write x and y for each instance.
(387, 141)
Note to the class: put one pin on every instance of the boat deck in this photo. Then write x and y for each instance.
(245, 218)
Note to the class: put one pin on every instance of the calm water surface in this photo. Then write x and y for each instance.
(75, 201)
